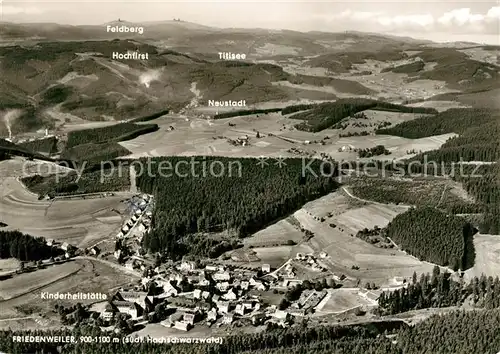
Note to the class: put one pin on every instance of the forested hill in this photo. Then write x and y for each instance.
(8, 148)
(244, 198)
(434, 236)
(478, 140)
(478, 130)
(325, 115)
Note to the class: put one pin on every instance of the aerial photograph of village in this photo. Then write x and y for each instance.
(249, 177)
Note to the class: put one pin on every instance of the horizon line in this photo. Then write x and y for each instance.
(144, 23)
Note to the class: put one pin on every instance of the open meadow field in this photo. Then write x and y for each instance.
(399, 147)
(348, 214)
(487, 260)
(340, 300)
(25, 283)
(8, 265)
(280, 232)
(440, 106)
(182, 136)
(345, 250)
(22, 293)
(81, 222)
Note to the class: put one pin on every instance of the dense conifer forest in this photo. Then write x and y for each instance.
(478, 140)
(10, 149)
(245, 112)
(454, 120)
(483, 182)
(409, 68)
(14, 244)
(46, 145)
(325, 115)
(458, 332)
(423, 191)
(150, 116)
(478, 130)
(117, 132)
(106, 180)
(92, 154)
(297, 108)
(243, 199)
(441, 290)
(434, 236)
(93, 146)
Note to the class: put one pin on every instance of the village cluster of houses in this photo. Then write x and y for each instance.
(288, 272)
(69, 250)
(209, 295)
(140, 218)
(240, 141)
(133, 231)
(185, 294)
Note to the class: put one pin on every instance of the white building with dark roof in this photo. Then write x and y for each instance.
(183, 326)
(128, 307)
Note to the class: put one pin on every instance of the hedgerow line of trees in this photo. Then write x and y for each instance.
(374, 151)
(246, 112)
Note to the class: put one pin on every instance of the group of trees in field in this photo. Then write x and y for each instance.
(56, 94)
(110, 179)
(245, 197)
(374, 151)
(14, 244)
(408, 68)
(434, 236)
(325, 115)
(245, 112)
(116, 132)
(451, 333)
(441, 290)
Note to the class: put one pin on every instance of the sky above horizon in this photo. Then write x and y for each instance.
(441, 21)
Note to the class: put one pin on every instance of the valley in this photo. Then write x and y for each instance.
(234, 182)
